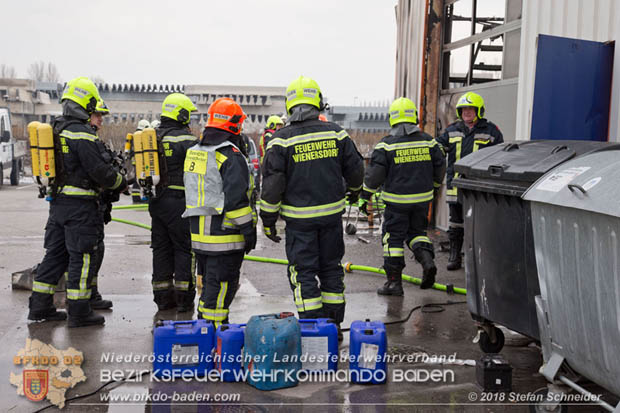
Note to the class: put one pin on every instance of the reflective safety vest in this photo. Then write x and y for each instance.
(213, 230)
(204, 194)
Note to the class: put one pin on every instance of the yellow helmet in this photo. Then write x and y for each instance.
(272, 121)
(82, 91)
(470, 99)
(102, 108)
(177, 106)
(403, 110)
(303, 90)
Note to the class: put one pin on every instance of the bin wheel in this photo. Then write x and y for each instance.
(541, 407)
(487, 346)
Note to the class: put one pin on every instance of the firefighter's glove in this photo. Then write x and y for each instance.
(250, 241)
(363, 206)
(107, 214)
(272, 234)
(352, 197)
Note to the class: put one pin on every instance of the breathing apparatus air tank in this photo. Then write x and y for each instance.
(47, 162)
(151, 160)
(138, 155)
(128, 140)
(33, 135)
(34, 147)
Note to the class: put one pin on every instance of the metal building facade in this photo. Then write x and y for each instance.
(410, 15)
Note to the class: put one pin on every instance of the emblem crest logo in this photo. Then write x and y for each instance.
(36, 384)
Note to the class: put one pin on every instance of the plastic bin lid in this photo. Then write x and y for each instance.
(522, 161)
(589, 182)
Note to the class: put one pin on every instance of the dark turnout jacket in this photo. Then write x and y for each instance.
(303, 171)
(82, 169)
(175, 139)
(409, 166)
(459, 141)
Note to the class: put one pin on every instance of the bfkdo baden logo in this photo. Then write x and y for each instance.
(36, 384)
(47, 373)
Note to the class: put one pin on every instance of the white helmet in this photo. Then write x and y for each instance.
(143, 124)
(155, 123)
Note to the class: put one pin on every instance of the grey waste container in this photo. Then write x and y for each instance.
(500, 265)
(576, 221)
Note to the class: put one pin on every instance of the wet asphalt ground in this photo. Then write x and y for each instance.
(446, 330)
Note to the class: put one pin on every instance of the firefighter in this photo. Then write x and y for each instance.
(136, 197)
(75, 225)
(173, 267)
(468, 134)
(105, 207)
(305, 167)
(274, 123)
(409, 164)
(221, 220)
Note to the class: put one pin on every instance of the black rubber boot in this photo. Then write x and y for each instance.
(185, 301)
(165, 300)
(97, 302)
(42, 308)
(81, 315)
(340, 335)
(456, 244)
(185, 307)
(429, 270)
(393, 285)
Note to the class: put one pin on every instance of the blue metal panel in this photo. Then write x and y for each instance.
(572, 94)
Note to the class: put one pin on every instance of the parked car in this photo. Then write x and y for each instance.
(253, 161)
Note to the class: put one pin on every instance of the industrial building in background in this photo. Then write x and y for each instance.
(367, 119)
(536, 64)
(29, 100)
(128, 103)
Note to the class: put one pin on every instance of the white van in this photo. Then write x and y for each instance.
(12, 152)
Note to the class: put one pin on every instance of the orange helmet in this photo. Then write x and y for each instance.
(323, 118)
(226, 114)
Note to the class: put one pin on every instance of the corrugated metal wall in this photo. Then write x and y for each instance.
(597, 20)
(409, 47)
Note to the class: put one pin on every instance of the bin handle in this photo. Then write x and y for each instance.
(572, 188)
(559, 148)
(510, 147)
(497, 170)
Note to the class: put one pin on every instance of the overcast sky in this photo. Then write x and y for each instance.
(348, 46)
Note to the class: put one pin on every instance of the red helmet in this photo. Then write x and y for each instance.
(323, 118)
(226, 114)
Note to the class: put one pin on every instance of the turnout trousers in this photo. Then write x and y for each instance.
(220, 282)
(316, 276)
(72, 235)
(455, 225)
(173, 260)
(405, 225)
